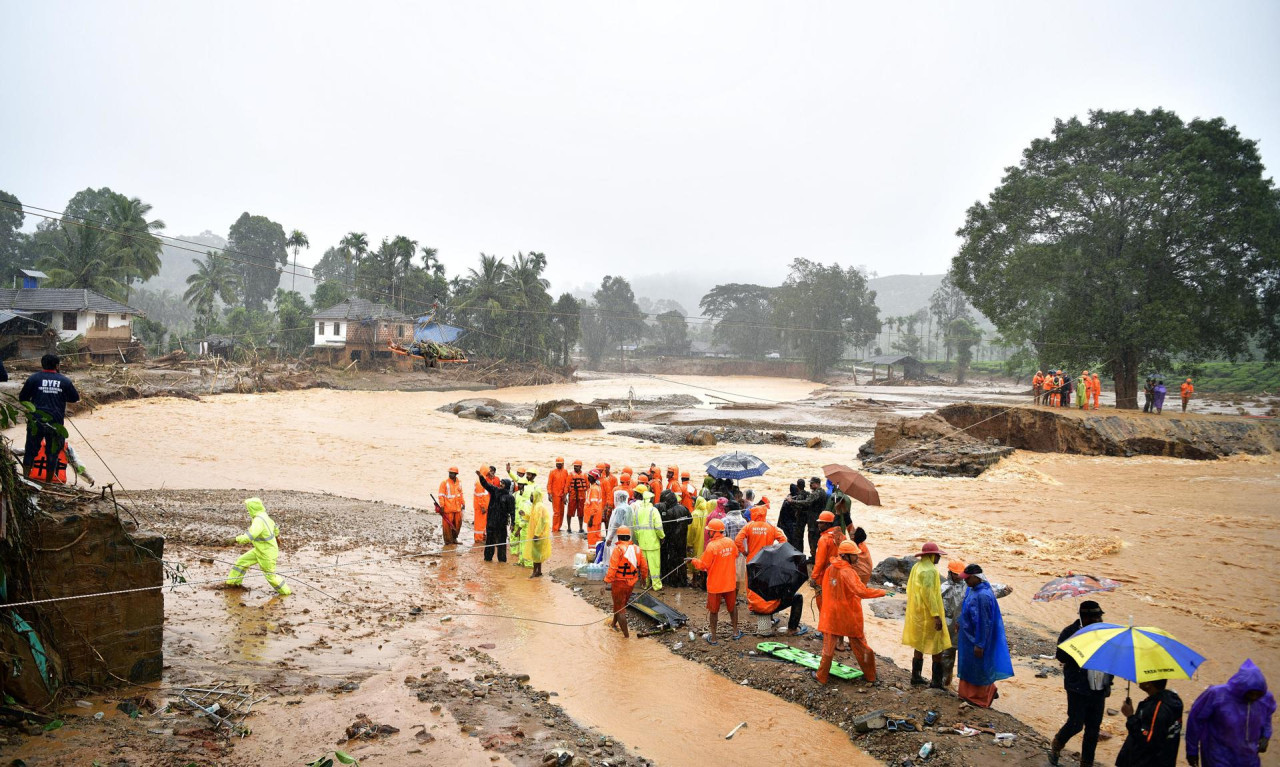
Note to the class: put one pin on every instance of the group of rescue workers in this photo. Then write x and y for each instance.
(1057, 389)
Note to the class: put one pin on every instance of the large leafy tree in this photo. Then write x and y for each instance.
(11, 236)
(672, 332)
(566, 326)
(293, 323)
(481, 295)
(1128, 239)
(619, 314)
(329, 293)
(258, 245)
(743, 315)
(823, 309)
(964, 334)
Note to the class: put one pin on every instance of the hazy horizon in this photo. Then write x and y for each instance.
(655, 139)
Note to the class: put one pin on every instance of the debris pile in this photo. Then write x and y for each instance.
(927, 446)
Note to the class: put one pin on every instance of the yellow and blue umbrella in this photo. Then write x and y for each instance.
(1137, 653)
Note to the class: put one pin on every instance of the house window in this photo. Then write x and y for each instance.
(320, 328)
(124, 317)
(337, 328)
(100, 321)
(400, 331)
(69, 320)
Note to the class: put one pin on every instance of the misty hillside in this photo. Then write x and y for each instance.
(175, 262)
(898, 295)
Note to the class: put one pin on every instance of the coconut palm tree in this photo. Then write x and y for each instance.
(355, 245)
(131, 243)
(78, 258)
(214, 279)
(297, 240)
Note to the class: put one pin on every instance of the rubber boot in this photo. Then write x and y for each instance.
(917, 665)
(1055, 752)
(938, 672)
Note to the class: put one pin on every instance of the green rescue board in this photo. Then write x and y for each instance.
(807, 659)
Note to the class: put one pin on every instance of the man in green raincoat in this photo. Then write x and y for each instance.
(262, 534)
(522, 492)
(925, 630)
(646, 531)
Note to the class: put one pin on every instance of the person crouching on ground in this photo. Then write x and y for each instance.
(626, 566)
(841, 616)
(265, 553)
(720, 560)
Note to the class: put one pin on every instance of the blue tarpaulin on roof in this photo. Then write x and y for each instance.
(436, 332)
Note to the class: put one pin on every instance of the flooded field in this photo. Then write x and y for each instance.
(1191, 542)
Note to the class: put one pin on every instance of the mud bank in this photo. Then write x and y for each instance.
(840, 703)
(1115, 433)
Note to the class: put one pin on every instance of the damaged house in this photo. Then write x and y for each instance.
(357, 329)
(34, 320)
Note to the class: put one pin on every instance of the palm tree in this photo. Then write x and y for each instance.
(214, 279)
(78, 258)
(297, 240)
(130, 243)
(431, 261)
(402, 252)
(355, 245)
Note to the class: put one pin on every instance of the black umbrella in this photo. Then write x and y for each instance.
(777, 572)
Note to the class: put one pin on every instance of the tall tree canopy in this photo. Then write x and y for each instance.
(823, 309)
(566, 326)
(258, 246)
(744, 317)
(619, 315)
(1128, 239)
(11, 236)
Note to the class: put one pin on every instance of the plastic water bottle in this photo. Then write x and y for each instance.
(926, 749)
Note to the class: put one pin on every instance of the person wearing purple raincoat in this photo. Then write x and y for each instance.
(1160, 391)
(1230, 724)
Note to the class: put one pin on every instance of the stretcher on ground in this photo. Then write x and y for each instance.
(668, 618)
(807, 659)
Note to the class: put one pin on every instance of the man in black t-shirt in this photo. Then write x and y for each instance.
(50, 392)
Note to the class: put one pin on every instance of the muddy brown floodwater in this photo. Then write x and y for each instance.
(1194, 543)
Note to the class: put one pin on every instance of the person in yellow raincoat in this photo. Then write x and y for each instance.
(925, 630)
(696, 534)
(265, 552)
(537, 542)
(647, 532)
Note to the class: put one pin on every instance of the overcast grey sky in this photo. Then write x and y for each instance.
(617, 138)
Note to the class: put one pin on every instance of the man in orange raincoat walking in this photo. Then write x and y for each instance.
(626, 566)
(451, 504)
(1187, 390)
(720, 560)
(842, 614)
(558, 491)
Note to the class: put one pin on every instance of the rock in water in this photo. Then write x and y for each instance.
(702, 437)
(578, 416)
(552, 424)
(485, 411)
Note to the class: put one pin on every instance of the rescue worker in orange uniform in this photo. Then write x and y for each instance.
(480, 507)
(558, 490)
(625, 484)
(577, 495)
(1095, 389)
(863, 566)
(758, 533)
(451, 504)
(627, 565)
(720, 560)
(608, 483)
(1187, 390)
(688, 492)
(842, 614)
(655, 482)
(673, 480)
(830, 536)
(1037, 382)
(594, 508)
(642, 481)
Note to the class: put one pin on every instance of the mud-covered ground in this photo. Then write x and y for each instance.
(370, 630)
(838, 702)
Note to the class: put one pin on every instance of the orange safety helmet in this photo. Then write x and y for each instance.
(848, 547)
(624, 530)
(826, 516)
(717, 525)
(644, 479)
(684, 475)
(577, 463)
(453, 469)
(672, 469)
(559, 460)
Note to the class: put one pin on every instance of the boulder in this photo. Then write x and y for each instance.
(485, 411)
(578, 416)
(701, 437)
(552, 424)
(894, 570)
(813, 442)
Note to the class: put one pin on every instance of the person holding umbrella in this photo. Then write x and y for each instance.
(1087, 693)
(842, 614)
(925, 629)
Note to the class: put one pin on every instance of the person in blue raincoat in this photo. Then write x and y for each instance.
(983, 652)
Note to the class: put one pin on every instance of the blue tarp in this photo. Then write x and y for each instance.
(436, 332)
